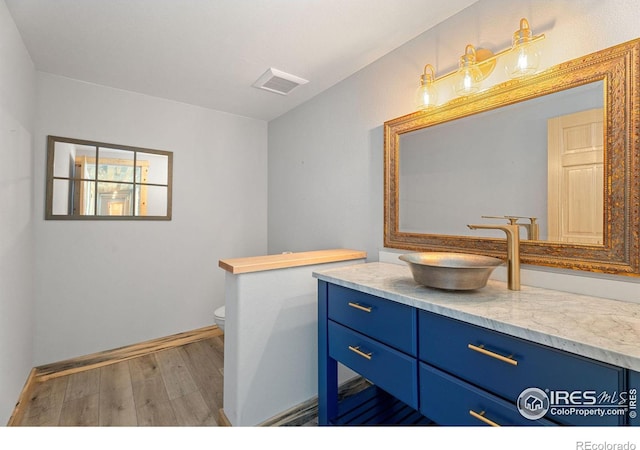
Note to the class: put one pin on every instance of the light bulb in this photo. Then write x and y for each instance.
(468, 78)
(524, 58)
(426, 94)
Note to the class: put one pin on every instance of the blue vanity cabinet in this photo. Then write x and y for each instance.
(376, 338)
(450, 371)
(505, 367)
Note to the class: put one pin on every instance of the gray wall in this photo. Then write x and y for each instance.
(135, 281)
(17, 101)
(325, 157)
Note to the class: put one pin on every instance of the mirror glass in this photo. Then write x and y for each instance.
(499, 163)
(556, 152)
(92, 180)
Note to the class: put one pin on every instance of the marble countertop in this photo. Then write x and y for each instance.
(598, 328)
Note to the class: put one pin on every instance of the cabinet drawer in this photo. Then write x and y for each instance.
(389, 369)
(449, 401)
(456, 347)
(387, 321)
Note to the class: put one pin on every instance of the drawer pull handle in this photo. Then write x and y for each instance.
(480, 416)
(360, 307)
(357, 350)
(484, 351)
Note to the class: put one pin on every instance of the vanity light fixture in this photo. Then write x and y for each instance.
(521, 59)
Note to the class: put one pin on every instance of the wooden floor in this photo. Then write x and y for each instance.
(180, 386)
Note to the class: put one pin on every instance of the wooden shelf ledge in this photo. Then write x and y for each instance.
(284, 260)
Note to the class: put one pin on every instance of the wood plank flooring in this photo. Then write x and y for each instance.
(169, 385)
(180, 386)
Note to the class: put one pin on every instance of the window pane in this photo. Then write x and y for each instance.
(85, 162)
(115, 165)
(61, 198)
(73, 198)
(115, 199)
(86, 198)
(153, 201)
(67, 156)
(154, 168)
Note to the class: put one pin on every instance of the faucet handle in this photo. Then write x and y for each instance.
(513, 220)
(531, 219)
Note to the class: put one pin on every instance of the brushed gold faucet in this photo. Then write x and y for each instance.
(512, 231)
(532, 228)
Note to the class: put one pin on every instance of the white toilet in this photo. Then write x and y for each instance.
(218, 316)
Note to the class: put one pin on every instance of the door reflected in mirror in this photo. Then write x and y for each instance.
(92, 180)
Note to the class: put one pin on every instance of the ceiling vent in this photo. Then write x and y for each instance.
(274, 80)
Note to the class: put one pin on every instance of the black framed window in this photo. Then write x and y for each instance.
(89, 180)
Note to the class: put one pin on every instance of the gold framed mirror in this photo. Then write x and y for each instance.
(447, 161)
